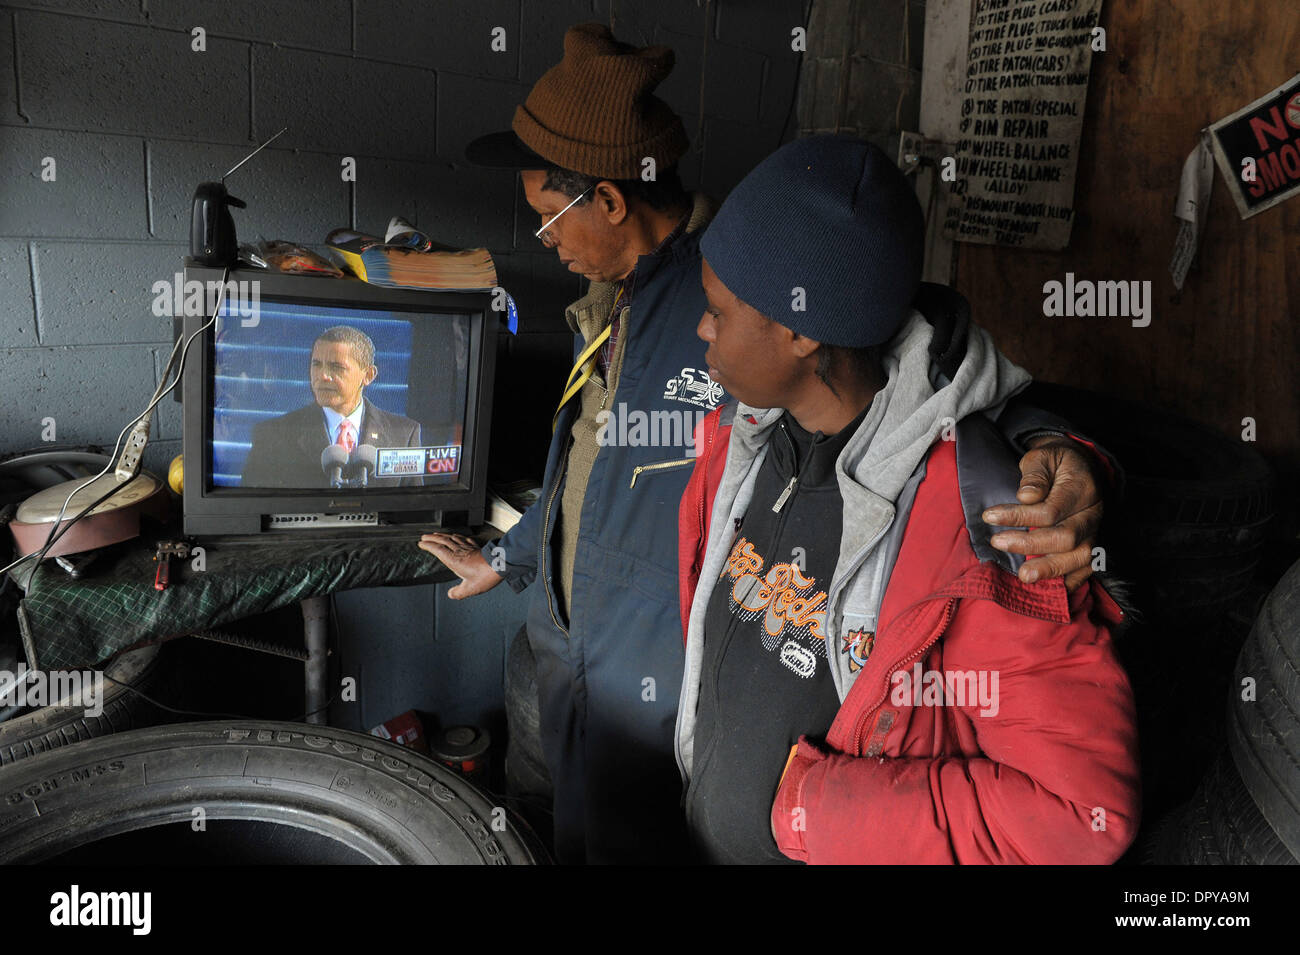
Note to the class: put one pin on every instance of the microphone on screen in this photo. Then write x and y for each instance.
(363, 462)
(332, 461)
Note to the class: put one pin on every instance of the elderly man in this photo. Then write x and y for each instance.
(602, 542)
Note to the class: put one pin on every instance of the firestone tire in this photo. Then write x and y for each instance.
(265, 792)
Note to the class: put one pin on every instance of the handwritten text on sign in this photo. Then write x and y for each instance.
(1027, 72)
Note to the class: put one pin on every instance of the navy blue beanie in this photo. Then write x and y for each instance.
(832, 217)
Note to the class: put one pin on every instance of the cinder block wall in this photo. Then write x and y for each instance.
(133, 117)
(862, 74)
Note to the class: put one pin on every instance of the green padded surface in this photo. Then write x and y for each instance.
(71, 623)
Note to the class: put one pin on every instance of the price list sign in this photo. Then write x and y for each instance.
(1027, 69)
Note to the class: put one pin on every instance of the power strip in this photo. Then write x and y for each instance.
(128, 465)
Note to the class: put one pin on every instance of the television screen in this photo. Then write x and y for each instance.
(310, 395)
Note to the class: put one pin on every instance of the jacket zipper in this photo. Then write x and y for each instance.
(541, 557)
(733, 621)
(798, 469)
(785, 495)
(707, 454)
(604, 397)
(948, 608)
(657, 466)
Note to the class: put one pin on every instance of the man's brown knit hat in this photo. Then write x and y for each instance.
(594, 112)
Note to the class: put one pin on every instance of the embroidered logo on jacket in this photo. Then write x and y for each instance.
(858, 645)
(793, 611)
(799, 659)
(695, 387)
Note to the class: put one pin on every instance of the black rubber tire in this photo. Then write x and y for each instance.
(339, 792)
(1184, 838)
(1221, 825)
(1197, 505)
(526, 773)
(51, 727)
(1264, 734)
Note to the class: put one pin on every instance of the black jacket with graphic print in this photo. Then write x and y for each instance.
(765, 664)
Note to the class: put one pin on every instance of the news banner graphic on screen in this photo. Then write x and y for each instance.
(320, 396)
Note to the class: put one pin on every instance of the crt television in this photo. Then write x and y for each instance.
(317, 402)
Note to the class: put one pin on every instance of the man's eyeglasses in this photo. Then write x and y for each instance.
(544, 233)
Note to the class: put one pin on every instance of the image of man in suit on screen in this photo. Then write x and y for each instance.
(287, 451)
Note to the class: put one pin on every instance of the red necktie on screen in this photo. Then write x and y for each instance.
(346, 441)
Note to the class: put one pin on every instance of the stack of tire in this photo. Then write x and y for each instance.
(250, 792)
(1247, 809)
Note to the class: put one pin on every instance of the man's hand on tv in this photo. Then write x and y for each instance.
(1059, 498)
(464, 558)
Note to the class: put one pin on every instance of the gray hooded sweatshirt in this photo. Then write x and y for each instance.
(878, 473)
